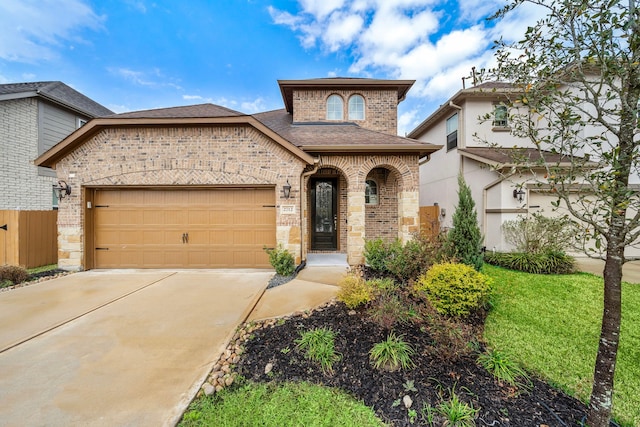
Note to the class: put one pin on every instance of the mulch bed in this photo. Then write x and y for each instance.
(433, 377)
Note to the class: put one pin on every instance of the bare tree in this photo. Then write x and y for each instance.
(578, 71)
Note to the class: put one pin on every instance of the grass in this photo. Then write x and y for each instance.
(279, 405)
(550, 325)
(42, 268)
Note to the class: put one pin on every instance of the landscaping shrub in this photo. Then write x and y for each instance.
(13, 274)
(539, 234)
(355, 291)
(388, 310)
(376, 254)
(392, 354)
(538, 263)
(504, 369)
(319, 347)
(464, 241)
(454, 289)
(281, 260)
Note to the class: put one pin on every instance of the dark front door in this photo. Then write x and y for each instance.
(324, 214)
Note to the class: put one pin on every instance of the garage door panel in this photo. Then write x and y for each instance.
(145, 228)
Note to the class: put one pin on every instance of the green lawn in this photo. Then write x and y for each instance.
(279, 405)
(551, 326)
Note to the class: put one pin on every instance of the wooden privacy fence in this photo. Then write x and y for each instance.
(430, 220)
(28, 238)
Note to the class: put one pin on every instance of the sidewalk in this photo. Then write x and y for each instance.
(630, 271)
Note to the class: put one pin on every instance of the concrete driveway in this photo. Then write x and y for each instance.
(116, 348)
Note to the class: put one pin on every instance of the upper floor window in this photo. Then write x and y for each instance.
(452, 132)
(500, 116)
(356, 108)
(334, 108)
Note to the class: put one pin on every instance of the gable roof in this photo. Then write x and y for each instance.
(288, 86)
(342, 137)
(483, 90)
(188, 111)
(56, 92)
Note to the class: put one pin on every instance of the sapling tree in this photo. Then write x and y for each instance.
(464, 241)
(578, 75)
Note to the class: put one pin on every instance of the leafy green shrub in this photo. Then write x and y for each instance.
(281, 260)
(319, 347)
(539, 234)
(376, 254)
(388, 310)
(354, 291)
(503, 368)
(13, 274)
(383, 285)
(543, 263)
(392, 354)
(454, 289)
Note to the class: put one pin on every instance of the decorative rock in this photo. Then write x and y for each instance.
(218, 388)
(268, 368)
(351, 312)
(226, 368)
(228, 381)
(208, 389)
(407, 401)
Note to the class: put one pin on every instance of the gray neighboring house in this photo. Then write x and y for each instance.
(33, 118)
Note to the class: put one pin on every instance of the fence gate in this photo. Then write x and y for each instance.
(28, 238)
(429, 220)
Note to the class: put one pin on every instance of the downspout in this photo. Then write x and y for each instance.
(460, 133)
(484, 197)
(316, 166)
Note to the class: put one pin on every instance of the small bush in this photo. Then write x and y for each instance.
(376, 254)
(392, 354)
(457, 413)
(354, 291)
(544, 263)
(454, 289)
(539, 234)
(319, 347)
(281, 260)
(13, 274)
(452, 338)
(504, 369)
(388, 310)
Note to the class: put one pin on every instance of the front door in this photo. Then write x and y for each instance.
(324, 214)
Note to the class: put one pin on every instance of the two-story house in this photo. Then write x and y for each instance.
(204, 186)
(33, 118)
(500, 189)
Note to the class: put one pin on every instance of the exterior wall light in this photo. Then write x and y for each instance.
(62, 189)
(518, 193)
(286, 190)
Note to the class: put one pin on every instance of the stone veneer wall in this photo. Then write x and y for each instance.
(175, 156)
(380, 113)
(19, 142)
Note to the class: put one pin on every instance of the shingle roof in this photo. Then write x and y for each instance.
(57, 92)
(321, 135)
(189, 111)
(511, 156)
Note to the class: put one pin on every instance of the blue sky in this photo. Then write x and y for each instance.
(141, 54)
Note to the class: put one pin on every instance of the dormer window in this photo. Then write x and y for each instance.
(356, 107)
(334, 108)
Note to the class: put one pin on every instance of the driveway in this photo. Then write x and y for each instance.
(116, 348)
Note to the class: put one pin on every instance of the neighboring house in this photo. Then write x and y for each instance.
(33, 118)
(204, 186)
(500, 191)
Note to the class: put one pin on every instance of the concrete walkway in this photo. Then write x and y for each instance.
(116, 348)
(630, 270)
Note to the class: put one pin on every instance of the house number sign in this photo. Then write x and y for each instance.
(287, 209)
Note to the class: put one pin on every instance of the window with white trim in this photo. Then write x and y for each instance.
(452, 132)
(500, 116)
(370, 192)
(334, 107)
(356, 107)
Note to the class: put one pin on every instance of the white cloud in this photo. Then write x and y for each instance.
(321, 8)
(34, 30)
(152, 79)
(341, 30)
(254, 106)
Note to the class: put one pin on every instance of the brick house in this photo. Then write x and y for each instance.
(204, 186)
(33, 118)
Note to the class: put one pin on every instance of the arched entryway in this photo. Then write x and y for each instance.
(327, 211)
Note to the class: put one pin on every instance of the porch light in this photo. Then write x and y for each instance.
(518, 193)
(62, 189)
(286, 190)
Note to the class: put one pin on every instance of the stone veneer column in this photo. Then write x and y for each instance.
(355, 227)
(409, 214)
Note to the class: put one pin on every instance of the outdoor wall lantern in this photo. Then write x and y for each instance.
(62, 189)
(286, 189)
(518, 193)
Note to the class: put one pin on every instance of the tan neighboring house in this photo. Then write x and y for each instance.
(33, 118)
(204, 186)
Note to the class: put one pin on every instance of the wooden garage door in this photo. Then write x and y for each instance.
(204, 228)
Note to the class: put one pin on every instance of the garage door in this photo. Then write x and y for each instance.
(203, 228)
